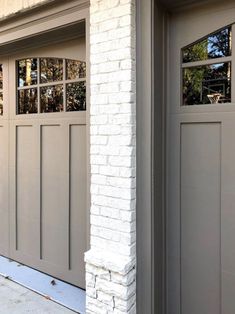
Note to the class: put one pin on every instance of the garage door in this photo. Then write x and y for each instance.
(201, 165)
(43, 168)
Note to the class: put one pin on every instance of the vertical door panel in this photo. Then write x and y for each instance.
(78, 196)
(173, 218)
(228, 216)
(200, 218)
(4, 214)
(27, 201)
(54, 203)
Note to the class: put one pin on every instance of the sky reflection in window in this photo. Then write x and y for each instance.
(216, 45)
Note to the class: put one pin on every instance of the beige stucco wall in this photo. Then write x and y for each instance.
(9, 7)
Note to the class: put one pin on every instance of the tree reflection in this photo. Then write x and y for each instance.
(76, 96)
(69, 82)
(214, 46)
(27, 101)
(200, 82)
(52, 98)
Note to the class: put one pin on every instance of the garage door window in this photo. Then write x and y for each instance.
(206, 70)
(1, 90)
(47, 85)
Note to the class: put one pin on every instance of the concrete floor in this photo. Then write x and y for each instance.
(15, 299)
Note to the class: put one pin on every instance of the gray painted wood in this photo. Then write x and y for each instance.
(150, 157)
(27, 200)
(200, 218)
(228, 217)
(4, 214)
(54, 204)
(78, 196)
(47, 224)
(144, 205)
(4, 169)
(200, 183)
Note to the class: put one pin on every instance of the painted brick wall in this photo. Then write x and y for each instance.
(9, 7)
(110, 264)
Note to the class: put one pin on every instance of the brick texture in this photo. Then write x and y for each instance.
(9, 7)
(110, 263)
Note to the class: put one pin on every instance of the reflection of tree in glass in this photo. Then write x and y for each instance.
(199, 82)
(195, 52)
(75, 69)
(51, 70)
(27, 72)
(1, 77)
(27, 102)
(1, 103)
(193, 76)
(219, 44)
(1, 91)
(214, 46)
(52, 98)
(82, 69)
(76, 96)
(192, 85)
(217, 79)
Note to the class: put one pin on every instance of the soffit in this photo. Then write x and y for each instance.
(51, 21)
(53, 36)
(179, 4)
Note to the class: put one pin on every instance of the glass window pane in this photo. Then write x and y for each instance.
(27, 72)
(51, 98)
(1, 103)
(207, 84)
(76, 96)
(1, 77)
(75, 69)
(51, 70)
(214, 46)
(27, 101)
(1, 90)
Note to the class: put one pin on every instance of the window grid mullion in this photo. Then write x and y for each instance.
(206, 62)
(39, 85)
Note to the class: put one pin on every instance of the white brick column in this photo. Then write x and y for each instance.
(111, 261)
(9, 7)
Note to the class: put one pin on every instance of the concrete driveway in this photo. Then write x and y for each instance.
(15, 299)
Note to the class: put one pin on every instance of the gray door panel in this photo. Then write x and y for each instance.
(201, 215)
(200, 212)
(54, 200)
(228, 216)
(173, 219)
(200, 218)
(27, 183)
(194, 216)
(46, 218)
(4, 213)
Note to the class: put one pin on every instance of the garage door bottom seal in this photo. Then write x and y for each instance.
(56, 290)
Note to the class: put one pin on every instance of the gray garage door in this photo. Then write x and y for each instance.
(43, 159)
(201, 169)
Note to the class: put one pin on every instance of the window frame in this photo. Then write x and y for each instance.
(209, 61)
(39, 85)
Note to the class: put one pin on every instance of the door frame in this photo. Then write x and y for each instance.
(151, 99)
(39, 26)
